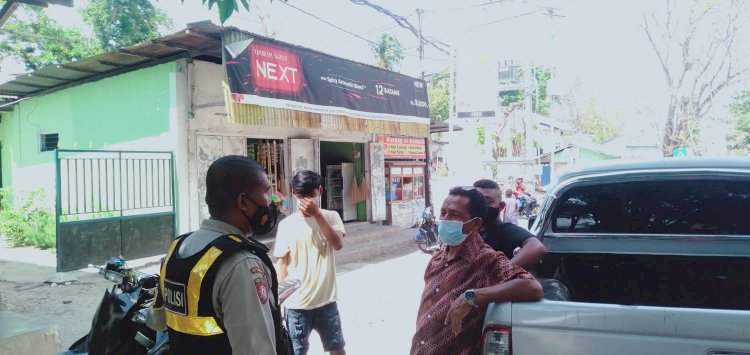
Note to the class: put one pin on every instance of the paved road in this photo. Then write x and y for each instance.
(378, 304)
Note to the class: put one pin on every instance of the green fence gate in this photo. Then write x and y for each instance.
(113, 203)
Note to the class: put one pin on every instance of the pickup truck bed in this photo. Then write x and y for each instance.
(656, 257)
(554, 327)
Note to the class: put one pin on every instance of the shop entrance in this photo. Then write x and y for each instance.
(345, 189)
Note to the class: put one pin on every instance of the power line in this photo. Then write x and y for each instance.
(352, 33)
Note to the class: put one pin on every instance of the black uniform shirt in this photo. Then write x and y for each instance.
(505, 237)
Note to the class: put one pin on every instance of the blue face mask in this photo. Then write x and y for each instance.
(451, 232)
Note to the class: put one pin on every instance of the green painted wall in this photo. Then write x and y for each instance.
(586, 155)
(334, 153)
(115, 110)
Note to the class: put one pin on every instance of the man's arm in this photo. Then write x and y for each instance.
(282, 265)
(243, 303)
(532, 251)
(516, 290)
(335, 237)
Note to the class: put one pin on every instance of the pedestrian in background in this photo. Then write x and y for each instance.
(305, 246)
(510, 213)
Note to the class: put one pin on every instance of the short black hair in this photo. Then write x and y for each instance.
(305, 183)
(477, 204)
(486, 184)
(228, 177)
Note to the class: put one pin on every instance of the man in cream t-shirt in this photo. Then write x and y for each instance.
(305, 246)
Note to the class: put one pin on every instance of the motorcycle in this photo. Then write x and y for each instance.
(527, 205)
(426, 238)
(119, 324)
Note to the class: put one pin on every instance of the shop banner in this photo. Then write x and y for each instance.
(270, 73)
(402, 148)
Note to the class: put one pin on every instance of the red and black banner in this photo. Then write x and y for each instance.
(271, 73)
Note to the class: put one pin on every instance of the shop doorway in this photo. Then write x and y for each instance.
(345, 189)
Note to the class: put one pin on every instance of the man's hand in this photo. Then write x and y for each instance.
(308, 207)
(459, 309)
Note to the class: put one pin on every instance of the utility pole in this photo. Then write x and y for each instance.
(421, 42)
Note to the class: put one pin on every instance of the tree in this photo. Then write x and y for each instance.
(39, 41)
(388, 52)
(600, 126)
(740, 111)
(438, 97)
(226, 7)
(696, 46)
(122, 23)
(540, 102)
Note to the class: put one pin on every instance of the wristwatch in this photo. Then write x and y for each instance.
(469, 296)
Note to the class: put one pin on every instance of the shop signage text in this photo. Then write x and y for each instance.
(275, 74)
(402, 148)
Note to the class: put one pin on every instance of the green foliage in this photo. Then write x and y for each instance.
(494, 171)
(599, 125)
(540, 102)
(122, 23)
(226, 7)
(40, 41)
(740, 110)
(438, 97)
(499, 149)
(518, 140)
(511, 98)
(388, 52)
(31, 224)
(480, 135)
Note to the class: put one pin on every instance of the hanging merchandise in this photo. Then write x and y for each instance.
(365, 188)
(276, 160)
(354, 191)
(282, 182)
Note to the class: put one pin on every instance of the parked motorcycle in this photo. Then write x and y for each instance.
(427, 240)
(119, 325)
(527, 205)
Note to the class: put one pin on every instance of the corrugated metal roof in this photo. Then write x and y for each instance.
(199, 39)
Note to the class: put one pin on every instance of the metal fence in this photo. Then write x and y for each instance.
(112, 203)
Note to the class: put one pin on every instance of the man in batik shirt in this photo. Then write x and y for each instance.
(463, 278)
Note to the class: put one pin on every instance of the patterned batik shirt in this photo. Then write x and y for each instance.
(476, 265)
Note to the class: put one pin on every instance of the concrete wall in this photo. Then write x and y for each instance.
(132, 111)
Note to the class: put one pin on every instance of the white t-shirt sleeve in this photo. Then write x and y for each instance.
(281, 246)
(334, 220)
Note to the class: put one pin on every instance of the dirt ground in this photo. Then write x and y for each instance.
(71, 307)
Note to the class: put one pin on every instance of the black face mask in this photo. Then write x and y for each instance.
(491, 216)
(264, 219)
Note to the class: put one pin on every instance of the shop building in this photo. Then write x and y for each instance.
(202, 93)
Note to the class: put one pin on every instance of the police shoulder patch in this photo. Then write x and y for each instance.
(260, 286)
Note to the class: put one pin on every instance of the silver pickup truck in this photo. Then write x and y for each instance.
(656, 258)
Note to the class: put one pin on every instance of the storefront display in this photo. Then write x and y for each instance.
(405, 192)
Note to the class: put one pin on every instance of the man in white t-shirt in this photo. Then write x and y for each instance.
(305, 246)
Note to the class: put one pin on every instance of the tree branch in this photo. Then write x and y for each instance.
(657, 51)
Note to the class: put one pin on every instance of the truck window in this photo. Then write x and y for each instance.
(681, 206)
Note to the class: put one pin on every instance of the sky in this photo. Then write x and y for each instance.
(599, 43)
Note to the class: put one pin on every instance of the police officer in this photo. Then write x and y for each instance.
(218, 292)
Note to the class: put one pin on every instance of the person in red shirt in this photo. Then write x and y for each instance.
(463, 278)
